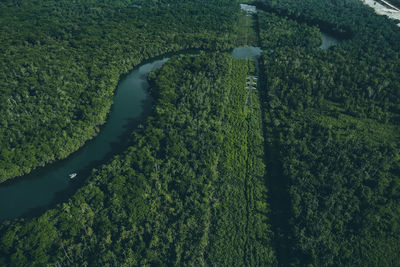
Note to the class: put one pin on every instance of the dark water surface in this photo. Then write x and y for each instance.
(32, 194)
(46, 185)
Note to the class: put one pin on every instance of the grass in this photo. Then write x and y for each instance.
(246, 30)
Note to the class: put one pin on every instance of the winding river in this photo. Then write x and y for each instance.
(32, 194)
(42, 189)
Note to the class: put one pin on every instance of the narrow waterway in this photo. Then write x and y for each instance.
(247, 52)
(34, 193)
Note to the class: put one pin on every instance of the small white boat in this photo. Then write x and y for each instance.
(73, 175)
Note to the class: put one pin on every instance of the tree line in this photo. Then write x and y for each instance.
(334, 118)
(190, 190)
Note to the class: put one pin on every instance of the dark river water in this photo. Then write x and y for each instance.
(32, 194)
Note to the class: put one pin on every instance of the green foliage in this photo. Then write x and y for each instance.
(348, 19)
(334, 116)
(61, 61)
(277, 31)
(190, 191)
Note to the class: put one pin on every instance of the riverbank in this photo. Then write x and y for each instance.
(59, 95)
(44, 188)
(192, 172)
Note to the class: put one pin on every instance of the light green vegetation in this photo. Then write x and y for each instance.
(190, 191)
(246, 30)
(200, 186)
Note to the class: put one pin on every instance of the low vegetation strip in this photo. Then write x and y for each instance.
(191, 189)
(241, 234)
(189, 192)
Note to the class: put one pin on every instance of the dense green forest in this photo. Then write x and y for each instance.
(276, 31)
(304, 171)
(191, 191)
(332, 117)
(60, 63)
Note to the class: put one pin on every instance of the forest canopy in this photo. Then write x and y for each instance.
(333, 119)
(192, 183)
(61, 61)
(299, 168)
